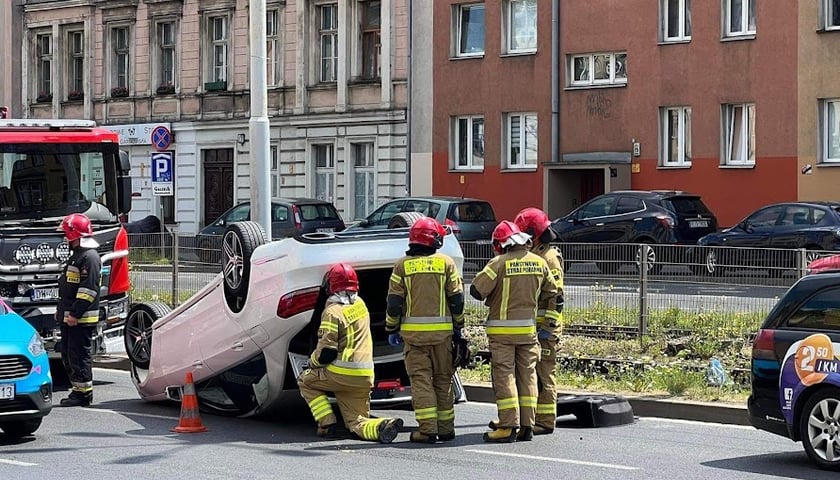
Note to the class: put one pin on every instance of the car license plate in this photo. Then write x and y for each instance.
(324, 230)
(42, 294)
(7, 392)
(698, 224)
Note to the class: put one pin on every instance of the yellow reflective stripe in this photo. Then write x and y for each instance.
(547, 408)
(320, 399)
(396, 278)
(453, 277)
(90, 317)
(350, 347)
(444, 415)
(391, 321)
(370, 429)
(442, 296)
(426, 413)
(353, 372)
(552, 314)
(459, 319)
(505, 298)
(489, 272)
(84, 296)
(528, 402)
(328, 326)
(427, 327)
(511, 330)
(507, 403)
(407, 311)
(322, 411)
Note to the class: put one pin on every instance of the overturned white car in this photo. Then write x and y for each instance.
(248, 334)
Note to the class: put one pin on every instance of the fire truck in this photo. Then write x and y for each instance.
(50, 169)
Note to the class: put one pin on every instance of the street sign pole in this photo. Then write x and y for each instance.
(258, 125)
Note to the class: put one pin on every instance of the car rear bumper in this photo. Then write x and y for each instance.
(760, 420)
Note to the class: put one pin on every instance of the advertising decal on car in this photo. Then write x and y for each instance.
(807, 362)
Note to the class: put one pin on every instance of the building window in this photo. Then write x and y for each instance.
(371, 40)
(521, 138)
(324, 160)
(218, 45)
(44, 51)
(831, 130)
(599, 69)
(76, 67)
(739, 130)
(272, 44)
(470, 30)
(739, 17)
(676, 20)
(166, 57)
(120, 61)
(275, 172)
(328, 35)
(831, 13)
(364, 180)
(521, 25)
(675, 128)
(468, 136)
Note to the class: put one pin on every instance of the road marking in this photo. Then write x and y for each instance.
(556, 460)
(17, 463)
(133, 414)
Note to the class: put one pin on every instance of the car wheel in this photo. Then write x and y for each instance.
(20, 428)
(653, 266)
(238, 244)
(404, 219)
(819, 428)
(138, 331)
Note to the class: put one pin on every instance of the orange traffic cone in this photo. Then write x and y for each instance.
(190, 421)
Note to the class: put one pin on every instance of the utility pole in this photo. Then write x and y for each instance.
(258, 125)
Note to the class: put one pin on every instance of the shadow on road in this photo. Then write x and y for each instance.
(778, 465)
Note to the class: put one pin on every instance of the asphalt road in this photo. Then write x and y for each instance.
(123, 437)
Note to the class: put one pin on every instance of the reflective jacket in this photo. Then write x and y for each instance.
(554, 259)
(78, 287)
(513, 284)
(346, 329)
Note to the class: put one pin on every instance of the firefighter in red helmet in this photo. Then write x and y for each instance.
(536, 223)
(78, 308)
(342, 363)
(512, 285)
(426, 305)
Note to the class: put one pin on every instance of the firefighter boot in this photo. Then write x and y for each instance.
(420, 437)
(493, 425)
(446, 437)
(327, 431)
(501, 435)
(541, 430)
(77, 399)
(389, 429)
(525, 434)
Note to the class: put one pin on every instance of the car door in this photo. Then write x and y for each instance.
(790, 231)
(625, 223)
(593, 222)
(752, 236)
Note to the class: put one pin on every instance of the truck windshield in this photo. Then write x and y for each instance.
(40, 183)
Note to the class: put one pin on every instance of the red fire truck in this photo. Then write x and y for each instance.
(49, 169)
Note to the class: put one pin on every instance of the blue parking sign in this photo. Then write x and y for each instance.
(163, 173)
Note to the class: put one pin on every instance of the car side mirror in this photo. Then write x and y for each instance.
(220, 223)
(745, 226)
(364, 222)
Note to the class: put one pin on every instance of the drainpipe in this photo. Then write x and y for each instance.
(555, 80)
(408, 110)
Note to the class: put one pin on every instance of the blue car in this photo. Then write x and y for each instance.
(25, 379)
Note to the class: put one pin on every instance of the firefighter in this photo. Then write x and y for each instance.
(536, 223)
(78, 308)
(342, 363)
(511, 285)
(426, 303)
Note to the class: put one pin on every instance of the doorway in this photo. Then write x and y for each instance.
(591, 184)
(218, 182)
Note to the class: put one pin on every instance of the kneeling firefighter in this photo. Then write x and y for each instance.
(342, 363)
(424, 292)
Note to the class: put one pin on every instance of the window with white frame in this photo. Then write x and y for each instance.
(328, 41)
(831, 14)
(520, 25)
(364, 179)
(830, 130)
(739, 134)
(598, 69)
(469, 29)
(76, 64)
(323, 157)
(739, 17)
(120, 60)
(675, 128)
(272, 47)
(370, 30)
(521, 140)
(275, 172)
(166, 56)
(676, 20)
(44, 53)
(468, 142)
(218, 46)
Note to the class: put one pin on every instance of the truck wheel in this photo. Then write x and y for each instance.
(138, 331)
(819, 428)
(238, 244)
(404, 219)
(20, 428)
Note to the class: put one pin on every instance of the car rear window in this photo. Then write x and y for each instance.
(686, 205)
(322, 211)
(472, 212)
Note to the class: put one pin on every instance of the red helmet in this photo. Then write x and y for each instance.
(341, 277)
(76, 226)
(502, 233)
(532, 221)
(426, 231)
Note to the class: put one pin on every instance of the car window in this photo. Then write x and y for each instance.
(319, 211)
(686, 206)
(472, 212)
(240, 213)
(419, 206)
(598, 207)
(765, 217)
(628, 205)
(279, 213)
(817, 214)
(796, 215)
(383, 215)
(820, 312)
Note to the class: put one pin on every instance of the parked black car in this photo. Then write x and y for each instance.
(635, 217)
(814, 226)
(289, 217)
(795, 364)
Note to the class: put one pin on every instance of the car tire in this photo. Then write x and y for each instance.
(812, 412)
(710, 263)
(654, 266)
(137, 335)
(20, 428)
(238, 245)
(404, 219)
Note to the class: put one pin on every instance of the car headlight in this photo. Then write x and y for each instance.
(36, 345)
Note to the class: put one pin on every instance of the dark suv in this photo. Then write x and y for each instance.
(634, 217)
(796, 368)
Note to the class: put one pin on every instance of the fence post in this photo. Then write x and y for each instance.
(644, 251)
(801, 261)
(175, 275)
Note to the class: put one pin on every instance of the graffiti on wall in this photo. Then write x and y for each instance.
(598, 105)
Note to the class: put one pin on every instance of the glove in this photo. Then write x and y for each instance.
(395, 339)
(456, 334)
(544, 334)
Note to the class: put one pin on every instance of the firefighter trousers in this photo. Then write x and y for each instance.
(77, 357)
(352, 393)
(513, 367)
(430, 370)
(546, 378)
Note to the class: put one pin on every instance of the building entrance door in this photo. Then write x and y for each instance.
(218, 182)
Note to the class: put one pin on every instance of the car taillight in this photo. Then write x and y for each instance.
(665, 220)
(298, 301)
(296, 216)
(120, 279)
(454, 226)
(394, 384)
(764, 346)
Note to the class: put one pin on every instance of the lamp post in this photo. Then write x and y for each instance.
(258, 125)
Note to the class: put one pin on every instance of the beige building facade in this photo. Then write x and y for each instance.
(10, 60)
